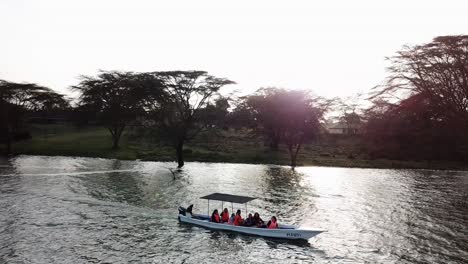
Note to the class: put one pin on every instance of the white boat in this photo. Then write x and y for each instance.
(283, 231)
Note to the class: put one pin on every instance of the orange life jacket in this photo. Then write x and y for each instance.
(273, 225)
(238, 220)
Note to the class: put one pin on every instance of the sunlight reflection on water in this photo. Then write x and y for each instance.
(78, 210)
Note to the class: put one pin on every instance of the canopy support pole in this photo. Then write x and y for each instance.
(232, 208)
(208, 208)
(246, 213)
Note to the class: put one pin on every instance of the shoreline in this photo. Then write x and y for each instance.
(335, 163)
(229, 147)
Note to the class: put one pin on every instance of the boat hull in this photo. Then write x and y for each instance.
(284, 232)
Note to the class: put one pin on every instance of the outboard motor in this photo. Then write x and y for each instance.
(189, 209)
(183, 211)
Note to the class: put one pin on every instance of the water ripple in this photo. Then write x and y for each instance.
(84, 210)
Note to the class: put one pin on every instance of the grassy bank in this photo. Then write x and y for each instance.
(222, 146)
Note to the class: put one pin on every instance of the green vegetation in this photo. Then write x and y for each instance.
(213, 146)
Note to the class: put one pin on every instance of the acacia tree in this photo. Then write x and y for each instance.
(409, 129)
(19, 99)
(428, 86)
(300, 121)
(185, 94)
(116, 97)
(438, 70)
(288, 117)
(215, 114)
(263, 108)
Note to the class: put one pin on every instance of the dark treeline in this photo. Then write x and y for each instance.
(169, 102)
(17, 101)
(419, 113)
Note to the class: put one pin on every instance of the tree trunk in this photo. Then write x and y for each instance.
(116, 133)
(180, 153)
(8, 141)
(293, 161)
(115, 142)
(274, 143)
(292, 156)
(274, 139)
(4, 114)
(8, 147)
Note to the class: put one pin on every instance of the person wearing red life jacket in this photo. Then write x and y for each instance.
(225, 216)
(238, 221)
(215, 217)
(272, 224)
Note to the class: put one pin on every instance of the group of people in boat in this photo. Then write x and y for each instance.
(237, 220)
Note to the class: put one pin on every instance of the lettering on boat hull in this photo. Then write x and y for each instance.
(293, 235)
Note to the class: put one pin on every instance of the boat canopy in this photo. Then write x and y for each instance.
(228, 198)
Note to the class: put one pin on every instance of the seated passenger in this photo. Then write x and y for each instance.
(238, 219)
(231, 219)
(249, 221)
(225, 216)
(272, 223)
(258, 221)
(215, 217)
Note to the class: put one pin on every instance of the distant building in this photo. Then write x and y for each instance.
(343, 128)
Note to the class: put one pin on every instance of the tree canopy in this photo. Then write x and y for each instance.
(186, 93)
(117, 98)
(19, 99)
(438, 70)
(424, 102)
(285, 116)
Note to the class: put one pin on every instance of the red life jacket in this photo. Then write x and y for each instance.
(216, 216)
(273, 225)
(238, 220)
(224, 217)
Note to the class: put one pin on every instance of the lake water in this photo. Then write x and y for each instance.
(86, 210)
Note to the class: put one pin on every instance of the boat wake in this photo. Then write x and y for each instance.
(68, 173)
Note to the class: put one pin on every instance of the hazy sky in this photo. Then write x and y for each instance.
(334, 48)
